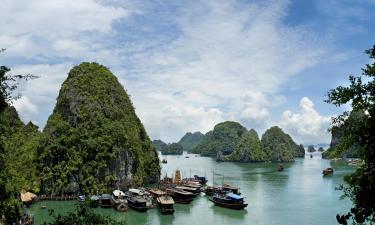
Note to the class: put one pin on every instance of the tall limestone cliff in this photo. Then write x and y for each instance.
(221, 140)
(279, 146)
(94, 141)
(190, 140)
(248, 149)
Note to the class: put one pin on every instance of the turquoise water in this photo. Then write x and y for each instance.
(298, 195)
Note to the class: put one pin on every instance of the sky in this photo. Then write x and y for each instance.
(191, 64)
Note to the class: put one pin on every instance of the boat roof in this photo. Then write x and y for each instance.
(157, 191)
(228, 186)
(94, 197)
(118, 193)
(186, 188)
(166, 200)
(135, 191)
(234, 196)
(140, 199)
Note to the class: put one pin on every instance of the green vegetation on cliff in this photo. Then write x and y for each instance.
(172, 149)
(94, 141)
(223, 139)
(248, 149)
(279, 146)
(230, 141)
(191, 140)
(341, 145)
(18, 157)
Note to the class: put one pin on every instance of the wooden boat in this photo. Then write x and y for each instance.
(164, 161)
(165, 203)
(209, 190)
(94, 201)
(229, 200)
(137, 203)
(81, 198)
(202, 180)
(280, 167)
(180, 196)
(192, 190)
(144, 194)
(327, 171)
(105, 201)
(156, 192)
(231, 188)
(118, 201)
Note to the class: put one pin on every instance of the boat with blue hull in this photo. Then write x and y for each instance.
(229, 200)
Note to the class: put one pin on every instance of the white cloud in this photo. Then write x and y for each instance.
(198, 68)
(306, 126)
(225, 49)
(25, 108)
(43, 30)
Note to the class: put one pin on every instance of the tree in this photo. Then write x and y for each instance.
(361, 184)
(10, 207)
(82, 215)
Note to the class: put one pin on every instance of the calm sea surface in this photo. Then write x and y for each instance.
(298, 195)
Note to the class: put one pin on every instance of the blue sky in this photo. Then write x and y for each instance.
(191, 64)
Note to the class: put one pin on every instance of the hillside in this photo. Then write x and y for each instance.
(191, 140)
(93, 140)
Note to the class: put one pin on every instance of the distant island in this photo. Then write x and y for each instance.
(230, 141)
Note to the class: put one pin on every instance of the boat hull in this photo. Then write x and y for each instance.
(229, 206)
(137, 208)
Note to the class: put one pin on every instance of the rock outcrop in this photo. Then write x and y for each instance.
(248, 149)
(94, 141)
(191, 140)
(172, 149)
(159, 144)
(279, 146)
(223, 138)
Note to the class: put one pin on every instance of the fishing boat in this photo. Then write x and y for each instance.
(327, 171)
(165, 204)
(180, 196)
(202, 180)
(118, 201)
(193, 190)
(280, 167)
(164, 161)
(231, 188)
(210, 190)
(229, 200)
(105, 201)
(81, 198)
(94, 201)
(137, 200)
(137, 203)
(156, 192)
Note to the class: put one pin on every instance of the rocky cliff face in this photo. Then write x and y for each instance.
(191, 140)
(279, 146)
(159, 144)
(223, 138)
(172, 149)
(94, 141)
(248, 149)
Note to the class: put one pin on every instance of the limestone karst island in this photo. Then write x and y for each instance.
(187, 112)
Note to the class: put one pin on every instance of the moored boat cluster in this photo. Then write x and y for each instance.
(169, 192)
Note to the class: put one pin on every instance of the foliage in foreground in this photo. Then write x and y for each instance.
(15, 148)
(83, 215)
(361, 184)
